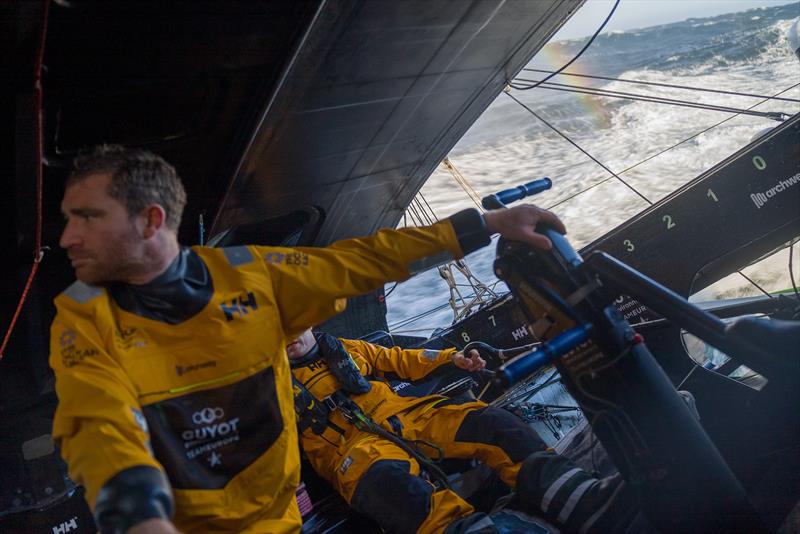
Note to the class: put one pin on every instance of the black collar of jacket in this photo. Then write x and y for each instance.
(312, 356)
(176, 295)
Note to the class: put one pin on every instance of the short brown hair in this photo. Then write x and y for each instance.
(138, 178)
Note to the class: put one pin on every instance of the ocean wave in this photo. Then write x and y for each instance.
(508, 146)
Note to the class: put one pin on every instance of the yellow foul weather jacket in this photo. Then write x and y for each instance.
(208, 401)
(325, 451)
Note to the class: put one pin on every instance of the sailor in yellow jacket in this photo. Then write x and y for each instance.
(175, 398)
(375, 468)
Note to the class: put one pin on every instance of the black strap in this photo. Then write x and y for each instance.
(310, 411)
(315, 414)
(356, 416)
(341, 364)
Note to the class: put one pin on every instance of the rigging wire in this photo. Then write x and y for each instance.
(430, 209)
(387, 293)
(791, 271)
(551, 74)
(416, 215)
(573, 143)
(623, 181)
(653, 156)
(416, 218)
(571, 61)
(409, 320)
(38, 249)
(774, 115)
(661, 84)
(756, 285)
(424, 216)
(465, 185)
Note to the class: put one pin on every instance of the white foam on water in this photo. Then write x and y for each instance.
(508, 146)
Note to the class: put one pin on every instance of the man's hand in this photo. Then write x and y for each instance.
(472, 363)
(153, 526)
(518, 223)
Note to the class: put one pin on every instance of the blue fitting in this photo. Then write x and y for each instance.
(507, 196)
(525, 365)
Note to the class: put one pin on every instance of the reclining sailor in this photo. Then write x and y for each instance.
(372, 444)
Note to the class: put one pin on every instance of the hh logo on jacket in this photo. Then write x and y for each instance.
(238, 307)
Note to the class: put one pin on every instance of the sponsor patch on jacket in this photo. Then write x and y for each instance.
(204, 439)
(181, 370)
(128, 338)
(72, 354)
(346, 464)
(292, 258)
(140, 420)
(400, 385)
(432, 355)
(67, 338)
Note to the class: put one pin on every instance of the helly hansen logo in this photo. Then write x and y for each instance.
(319, 364)
(67, 526)
(238, 307)
(519, 333)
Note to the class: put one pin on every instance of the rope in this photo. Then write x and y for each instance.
(661, 84)
(571, 61)
(774, 115)
(604, 180)
(460, 180)
(573, 143)
(38, 249)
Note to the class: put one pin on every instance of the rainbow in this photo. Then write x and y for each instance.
(556, 54)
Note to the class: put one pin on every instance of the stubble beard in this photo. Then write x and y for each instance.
(120, 262)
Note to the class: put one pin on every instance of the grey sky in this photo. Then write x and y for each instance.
(643, 13)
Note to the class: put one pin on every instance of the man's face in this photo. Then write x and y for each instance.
(100, 238)
(300, 346)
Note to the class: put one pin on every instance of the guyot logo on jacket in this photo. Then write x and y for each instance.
(211, 431)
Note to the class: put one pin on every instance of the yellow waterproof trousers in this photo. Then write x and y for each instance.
(381, 480)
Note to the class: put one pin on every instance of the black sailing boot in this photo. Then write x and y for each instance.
(552, 485)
